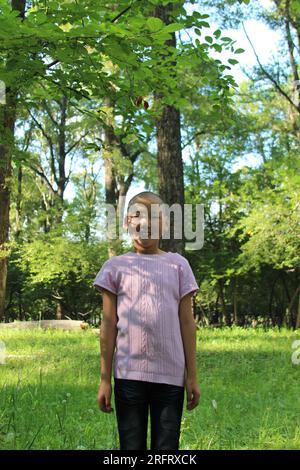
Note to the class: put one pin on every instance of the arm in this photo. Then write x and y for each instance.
(188, 333)
(108, 334)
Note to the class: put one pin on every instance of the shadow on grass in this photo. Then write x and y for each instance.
(247, 396)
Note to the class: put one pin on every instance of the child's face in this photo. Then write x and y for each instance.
(145, 222)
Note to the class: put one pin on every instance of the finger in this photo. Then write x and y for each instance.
(189, 396)
(105, 409)
(191, 406)
(189, 402)
(101, 402)
(107, 404)
(195, 401)
(102, 407)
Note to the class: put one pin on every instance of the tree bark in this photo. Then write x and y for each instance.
(62, 154)
(18, 203)
(58, 314)
(290, 306)
(111, 196)
(7, 128)
(235, 303)
(225, 313)
(169, 155)
(298, 315)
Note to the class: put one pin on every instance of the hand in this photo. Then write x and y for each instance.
(193, 393)
(104, 397)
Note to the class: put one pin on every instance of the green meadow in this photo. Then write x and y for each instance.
(250, 391)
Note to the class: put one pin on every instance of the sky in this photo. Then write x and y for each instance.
(263, 39)
(265, 42)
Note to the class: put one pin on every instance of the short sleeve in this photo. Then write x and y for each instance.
(187, 281)
(106, 277)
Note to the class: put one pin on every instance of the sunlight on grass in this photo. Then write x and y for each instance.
(250, 392)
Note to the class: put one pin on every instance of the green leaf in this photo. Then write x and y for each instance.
(130, 138)
(239, 51)
(233, 61)
(217, 47)
(170, 28)
(154, 24)
(204, 24)
(209, 39)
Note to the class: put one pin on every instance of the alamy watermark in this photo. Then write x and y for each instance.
(139, 223)
(296, 354)
(2, 92)
(2, 353)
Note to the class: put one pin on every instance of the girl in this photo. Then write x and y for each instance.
(147, 316)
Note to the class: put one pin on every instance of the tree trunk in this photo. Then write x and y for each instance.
(7, 126)
(235, 303)
(8, 116)
(290, 306)
(225, 313)
(61, 179)
(58, 315)
(18, 203)
(110, 180)
(169, 156)
(298, 315)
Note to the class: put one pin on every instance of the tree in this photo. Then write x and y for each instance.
(65, 45)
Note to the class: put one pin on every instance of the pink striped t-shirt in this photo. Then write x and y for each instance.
(149, 288)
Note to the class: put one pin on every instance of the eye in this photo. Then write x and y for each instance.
(132, 216)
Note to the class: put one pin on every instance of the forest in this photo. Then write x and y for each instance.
(98, 97)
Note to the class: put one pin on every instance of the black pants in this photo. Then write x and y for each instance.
(132, 401)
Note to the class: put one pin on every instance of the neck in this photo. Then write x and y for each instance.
(147, 252)
(151, 250)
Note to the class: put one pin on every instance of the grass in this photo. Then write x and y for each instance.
(250, 392)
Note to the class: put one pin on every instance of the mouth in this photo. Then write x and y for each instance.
(145, 237)
(145, 233)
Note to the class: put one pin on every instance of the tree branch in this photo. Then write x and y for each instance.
(76, 143)
(268, 75)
